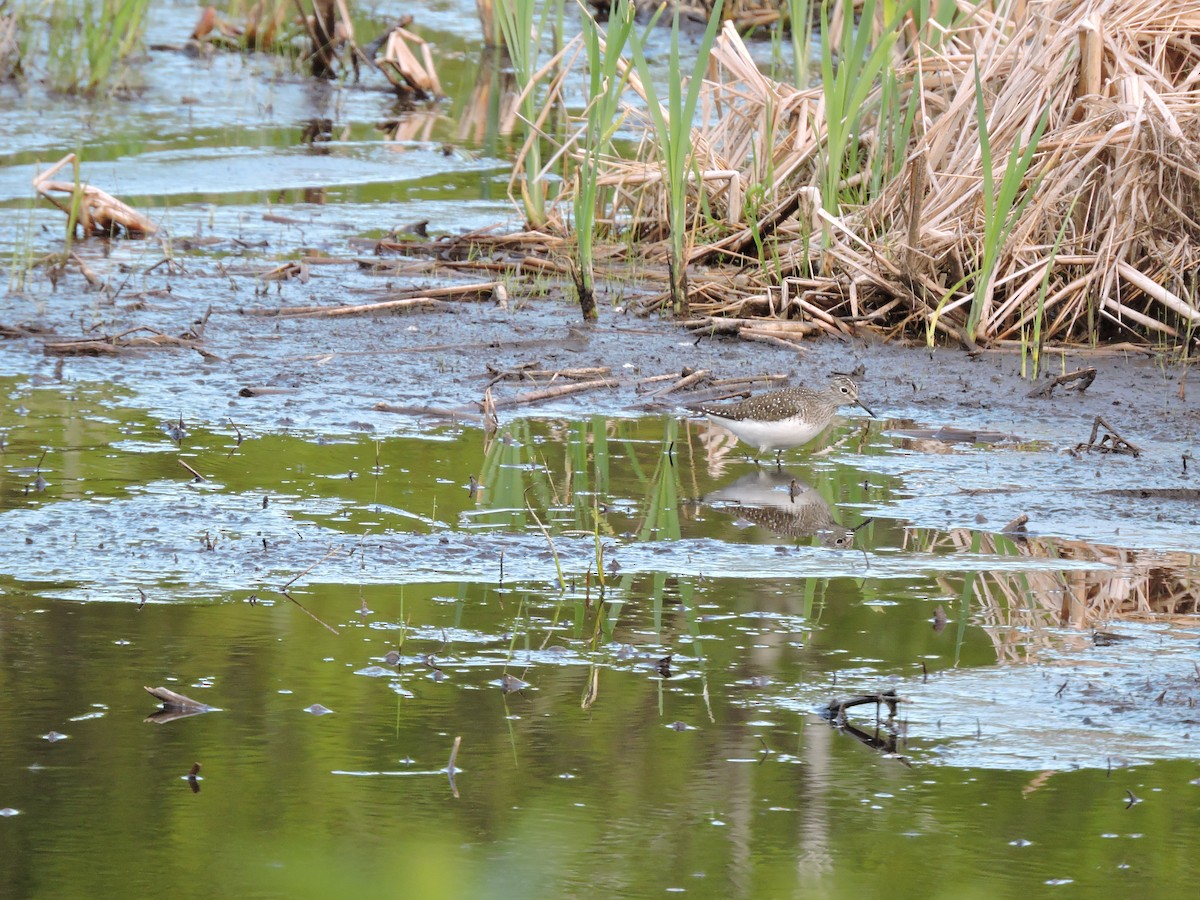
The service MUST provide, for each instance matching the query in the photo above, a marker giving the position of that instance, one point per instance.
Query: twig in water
(333, 551)
(197, 475)
(550, 393)
(308, 612)
(1109, 443)
(450, 770)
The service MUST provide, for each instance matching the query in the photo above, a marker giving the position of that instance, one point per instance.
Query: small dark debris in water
(176, 431)
(54, 736)
(664, 667)
(40, 484)
(836, 709)
(317, 130)
(883, 738)
(760, 681)
(939, 619)
(625, 651)
(318, 710)
(510, 684)
(680, 726)
(263, 391)
(193, 778)
(1133, 800)
(1189, 494)
(1161, 698)
(266, 499)
(392, 658)
(1107, 638)
(177, 702)
(1062, 687)
(436, 674)
(252, 599)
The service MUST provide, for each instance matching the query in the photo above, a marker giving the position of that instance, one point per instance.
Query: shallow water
(585, 758)
(655, 729)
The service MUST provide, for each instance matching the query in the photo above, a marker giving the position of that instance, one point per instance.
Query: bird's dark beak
(864, 406)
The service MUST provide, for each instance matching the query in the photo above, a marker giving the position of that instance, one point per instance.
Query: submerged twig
(1112, 442)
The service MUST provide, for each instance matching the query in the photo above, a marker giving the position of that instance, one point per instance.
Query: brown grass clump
(1024, 610)
(1107, 245)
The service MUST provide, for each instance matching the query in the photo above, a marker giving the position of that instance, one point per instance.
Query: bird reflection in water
(780, 502)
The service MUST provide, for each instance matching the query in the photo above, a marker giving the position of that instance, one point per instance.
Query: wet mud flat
(210, 345)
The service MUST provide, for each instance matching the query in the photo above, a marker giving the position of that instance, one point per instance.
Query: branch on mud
(437, 412)
(1112, 442)
(551, 393)
(1085, 377)
(123, 343)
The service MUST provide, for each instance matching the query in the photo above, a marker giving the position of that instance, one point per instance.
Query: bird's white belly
(771, 435)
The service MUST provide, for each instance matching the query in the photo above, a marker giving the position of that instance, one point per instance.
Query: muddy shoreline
(327, 376)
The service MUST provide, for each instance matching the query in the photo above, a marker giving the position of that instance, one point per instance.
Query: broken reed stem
(333, 551)
(454, 755)
(197, 475)
(683, 383)
(308, 612)
(553, 392)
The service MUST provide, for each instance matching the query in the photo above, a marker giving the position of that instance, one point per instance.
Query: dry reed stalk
(98, 213)
(402, 67)
(1115, 177)
(562, 390)
(1025, 611)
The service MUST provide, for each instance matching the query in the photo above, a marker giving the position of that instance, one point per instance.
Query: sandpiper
(787, 417)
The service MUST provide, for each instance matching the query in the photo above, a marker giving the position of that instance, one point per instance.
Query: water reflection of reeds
(1019, 609)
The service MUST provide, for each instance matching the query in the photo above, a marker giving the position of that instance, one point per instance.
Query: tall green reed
(673, 127)
(89, 42)
(848, 84)
(1003, 200)
(522, 40)
(1031, 349)
(606, 84)
(800, 25)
